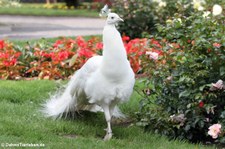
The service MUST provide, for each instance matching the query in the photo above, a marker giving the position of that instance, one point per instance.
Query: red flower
(17, 54)
(80, 41)
(4, 55)
(2, 44)
(201, 104)
(63, 55)
(13, 62)
(156, 43)
(47, 55)
(209, 50)
(125, 38)
(70, 43)
(6, 63)
(99, 45)
(85, 52)
(57, 43)
(217, 45)
(10, 63)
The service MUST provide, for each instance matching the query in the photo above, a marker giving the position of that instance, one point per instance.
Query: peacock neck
(114, 54)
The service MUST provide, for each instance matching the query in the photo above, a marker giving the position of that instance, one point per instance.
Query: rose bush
(186, 82)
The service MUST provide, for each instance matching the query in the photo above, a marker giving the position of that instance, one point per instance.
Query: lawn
(47, 41)
(21, 122)
(39, 10)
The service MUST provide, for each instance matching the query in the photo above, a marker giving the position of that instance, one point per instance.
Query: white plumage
(102, 83)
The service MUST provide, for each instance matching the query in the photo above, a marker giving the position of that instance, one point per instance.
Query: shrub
(140, 16)
(183, 81)
(9, 3)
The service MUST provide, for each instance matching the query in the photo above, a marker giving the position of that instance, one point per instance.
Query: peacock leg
(108, 116)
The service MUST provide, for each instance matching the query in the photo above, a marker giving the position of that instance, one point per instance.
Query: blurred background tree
(71, 3)
(49, 1)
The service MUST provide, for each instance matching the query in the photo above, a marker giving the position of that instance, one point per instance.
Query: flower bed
(60, 59)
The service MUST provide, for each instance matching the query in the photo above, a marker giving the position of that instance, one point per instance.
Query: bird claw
(108, 136)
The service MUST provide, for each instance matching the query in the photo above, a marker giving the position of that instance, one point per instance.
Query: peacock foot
(108, 136)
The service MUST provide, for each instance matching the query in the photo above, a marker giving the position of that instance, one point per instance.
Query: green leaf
(222, 71)
(187, 128)
(201, 124)
(184, 94)
(201, 88)
(73, 60)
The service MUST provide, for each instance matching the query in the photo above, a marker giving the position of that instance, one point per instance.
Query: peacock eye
(112, 17)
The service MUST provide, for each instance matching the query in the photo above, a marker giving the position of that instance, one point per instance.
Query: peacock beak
(120, 20)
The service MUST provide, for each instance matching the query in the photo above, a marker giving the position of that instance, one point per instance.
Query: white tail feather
(118, 114)
(60, 103)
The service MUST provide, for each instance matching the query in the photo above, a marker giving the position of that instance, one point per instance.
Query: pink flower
(153, 55)
(217, 45)
(217, 86)
(214, 130)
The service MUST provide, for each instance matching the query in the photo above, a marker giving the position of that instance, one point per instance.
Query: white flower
(153, 55)
(162, 4)
(200, 8)
(206, 14)
(169, 21)
(217, 10)
(197, 4)
(178, 20)
(199, 1)
(169, 78)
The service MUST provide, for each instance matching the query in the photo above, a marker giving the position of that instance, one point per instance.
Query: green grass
(22, 43)
(21, 122)
(39, 10)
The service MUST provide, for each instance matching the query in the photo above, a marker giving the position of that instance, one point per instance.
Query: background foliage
(141, 16)
(180, 81)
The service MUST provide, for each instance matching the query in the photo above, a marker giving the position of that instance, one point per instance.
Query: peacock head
(113, 18)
